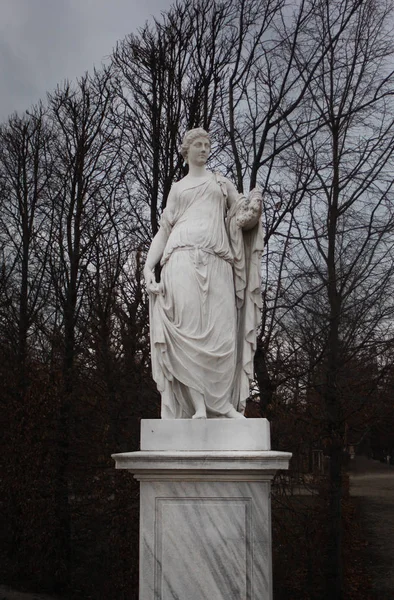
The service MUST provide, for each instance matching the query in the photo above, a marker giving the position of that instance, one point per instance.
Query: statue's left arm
(246, 239)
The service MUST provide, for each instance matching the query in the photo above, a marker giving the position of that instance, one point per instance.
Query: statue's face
(198, 152)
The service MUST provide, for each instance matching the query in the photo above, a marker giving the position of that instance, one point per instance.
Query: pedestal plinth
(205, 520)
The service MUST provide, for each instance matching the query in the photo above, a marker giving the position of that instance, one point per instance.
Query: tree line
(299, 100)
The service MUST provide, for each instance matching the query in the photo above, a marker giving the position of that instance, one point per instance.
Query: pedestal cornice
(224, 465)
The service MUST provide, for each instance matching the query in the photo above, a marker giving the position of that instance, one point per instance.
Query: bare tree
(25, 241)
(344, 231)
(25, 227)
(85, 174)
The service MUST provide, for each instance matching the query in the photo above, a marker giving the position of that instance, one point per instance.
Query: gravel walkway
(372, 483)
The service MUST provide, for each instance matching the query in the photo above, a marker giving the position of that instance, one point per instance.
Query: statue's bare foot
(234, 414)
(200, 414)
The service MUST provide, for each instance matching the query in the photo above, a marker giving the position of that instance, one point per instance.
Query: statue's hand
(150, 281)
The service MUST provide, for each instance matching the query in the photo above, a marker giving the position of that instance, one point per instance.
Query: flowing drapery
(203, 326)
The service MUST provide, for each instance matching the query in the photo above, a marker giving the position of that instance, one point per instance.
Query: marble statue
(205, 310)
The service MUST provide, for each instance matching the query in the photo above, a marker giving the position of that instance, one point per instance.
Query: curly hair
(189, 138)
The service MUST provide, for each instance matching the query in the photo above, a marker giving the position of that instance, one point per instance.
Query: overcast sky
(44, 42)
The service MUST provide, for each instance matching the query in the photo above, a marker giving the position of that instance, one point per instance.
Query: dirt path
(7, 593)
(372, 483)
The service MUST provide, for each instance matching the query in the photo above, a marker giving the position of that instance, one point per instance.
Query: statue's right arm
(156, 251)
(154, 255)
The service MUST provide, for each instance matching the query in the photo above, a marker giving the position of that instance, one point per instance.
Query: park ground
(372, 487)
(7, 593)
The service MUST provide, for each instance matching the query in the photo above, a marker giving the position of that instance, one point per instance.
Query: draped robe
(203, 325)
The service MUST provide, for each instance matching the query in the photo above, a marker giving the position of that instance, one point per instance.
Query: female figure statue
(205, 310)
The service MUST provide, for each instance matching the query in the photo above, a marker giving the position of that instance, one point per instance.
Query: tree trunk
(264, 382)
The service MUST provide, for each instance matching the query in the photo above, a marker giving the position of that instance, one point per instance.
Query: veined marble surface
(205, 541)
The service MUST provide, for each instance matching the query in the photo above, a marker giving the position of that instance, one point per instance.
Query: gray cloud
(44, 42)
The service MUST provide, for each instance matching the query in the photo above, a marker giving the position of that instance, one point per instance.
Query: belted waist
(197, 250)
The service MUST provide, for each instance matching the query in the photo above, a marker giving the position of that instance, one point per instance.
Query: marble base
(205, 434)
(205, 520)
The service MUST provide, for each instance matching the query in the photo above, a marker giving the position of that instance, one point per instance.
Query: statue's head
(190, 136)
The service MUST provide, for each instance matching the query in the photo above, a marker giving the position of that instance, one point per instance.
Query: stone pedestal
(205, 521)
